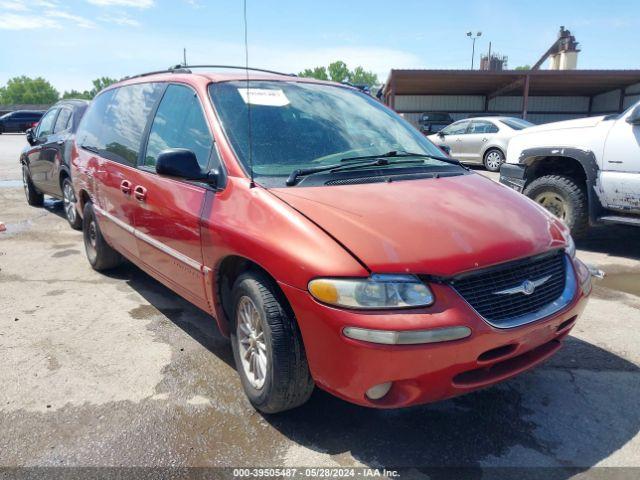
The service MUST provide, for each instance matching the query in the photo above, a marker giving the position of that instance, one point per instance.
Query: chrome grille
(479, 288)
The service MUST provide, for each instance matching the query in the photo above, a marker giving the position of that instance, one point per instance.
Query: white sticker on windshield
(263, 96)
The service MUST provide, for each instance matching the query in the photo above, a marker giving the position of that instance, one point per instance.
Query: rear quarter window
(115, 125)
(92, 124)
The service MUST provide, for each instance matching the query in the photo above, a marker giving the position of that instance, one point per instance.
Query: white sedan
(481, 140)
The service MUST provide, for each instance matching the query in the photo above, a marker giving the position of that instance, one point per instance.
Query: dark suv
(19, 121)
(45, 162)
(433, 122)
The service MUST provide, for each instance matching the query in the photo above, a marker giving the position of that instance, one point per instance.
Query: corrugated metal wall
(541, 109)
(445, 103)
(606, 102)
(633, 89)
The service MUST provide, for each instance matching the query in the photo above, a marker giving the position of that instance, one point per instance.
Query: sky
(72, 42)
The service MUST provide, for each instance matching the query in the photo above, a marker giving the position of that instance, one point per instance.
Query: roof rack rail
(187, 69)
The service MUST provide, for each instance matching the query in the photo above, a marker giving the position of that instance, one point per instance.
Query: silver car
(481, 140)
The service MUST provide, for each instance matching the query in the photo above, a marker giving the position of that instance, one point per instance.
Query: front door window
(179, 123)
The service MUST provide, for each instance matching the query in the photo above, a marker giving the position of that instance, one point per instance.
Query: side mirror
(182, 163)
(30, 136)
(634, 117)
(441, 134)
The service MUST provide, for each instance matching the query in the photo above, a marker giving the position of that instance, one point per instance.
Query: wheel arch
(83, 199)
(64, 173)
(572, 162)
(227, 272)
(24, 159)
(488, 148)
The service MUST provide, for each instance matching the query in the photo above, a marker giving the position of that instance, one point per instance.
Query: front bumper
(422, 373)
(513, 175)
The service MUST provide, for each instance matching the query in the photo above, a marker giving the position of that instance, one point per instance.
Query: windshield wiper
(400, 154)
(91, 149)
(352, 165)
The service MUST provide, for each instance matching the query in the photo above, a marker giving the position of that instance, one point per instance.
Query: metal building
(539, 96)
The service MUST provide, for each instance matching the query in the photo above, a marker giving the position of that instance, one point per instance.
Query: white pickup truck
(585, 171)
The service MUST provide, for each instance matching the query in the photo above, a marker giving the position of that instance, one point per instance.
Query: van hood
(430, 226)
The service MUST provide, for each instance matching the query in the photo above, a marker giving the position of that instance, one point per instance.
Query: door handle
(125, 186)
(485, 139)
(140, 193)
(458, 139)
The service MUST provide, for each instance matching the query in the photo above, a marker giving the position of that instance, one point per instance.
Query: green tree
(523, 67)
(319, 72)
(25, 90)
(100, 84)
(338, 71)
(76, 94)
(359, 76)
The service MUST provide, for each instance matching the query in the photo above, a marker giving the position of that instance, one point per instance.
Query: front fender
(252, 223)
(586, 158)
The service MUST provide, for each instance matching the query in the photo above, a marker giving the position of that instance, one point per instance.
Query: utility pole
(473, 48)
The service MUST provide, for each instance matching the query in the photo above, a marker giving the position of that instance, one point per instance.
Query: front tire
(70, 205)
(493, 159)
(34, 198)
(99, 253)
(563, 197)
(267, 346)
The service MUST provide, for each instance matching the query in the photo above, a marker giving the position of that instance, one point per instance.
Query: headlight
(571, 247)
(377, 291)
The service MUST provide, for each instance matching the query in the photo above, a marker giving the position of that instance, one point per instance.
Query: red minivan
(331, 241)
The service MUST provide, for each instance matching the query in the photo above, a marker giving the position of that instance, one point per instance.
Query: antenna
(184, 56)
(246, 63)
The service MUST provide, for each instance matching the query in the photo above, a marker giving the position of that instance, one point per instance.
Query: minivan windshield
(296, 125)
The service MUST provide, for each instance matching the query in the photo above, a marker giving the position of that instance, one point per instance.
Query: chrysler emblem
(526, 288)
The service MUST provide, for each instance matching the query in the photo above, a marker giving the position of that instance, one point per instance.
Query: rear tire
(70, 205)
(565, 198)
(267, 346)
(99, 253)
(34, 198)
(493, 158)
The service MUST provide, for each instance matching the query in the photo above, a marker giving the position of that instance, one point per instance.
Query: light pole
(473, 48)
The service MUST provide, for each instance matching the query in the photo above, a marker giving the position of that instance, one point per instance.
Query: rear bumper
(513, 175)
(425, 373)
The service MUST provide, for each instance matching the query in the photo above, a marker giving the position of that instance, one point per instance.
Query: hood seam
(346, 249)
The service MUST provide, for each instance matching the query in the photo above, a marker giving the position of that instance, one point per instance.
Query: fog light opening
(566, 324)
(378, 391)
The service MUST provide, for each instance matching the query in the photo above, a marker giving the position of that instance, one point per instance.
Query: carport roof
(508, 82)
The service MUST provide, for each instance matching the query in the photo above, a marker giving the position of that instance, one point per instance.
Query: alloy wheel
(25, 182)
(251, 342)
(69, 202)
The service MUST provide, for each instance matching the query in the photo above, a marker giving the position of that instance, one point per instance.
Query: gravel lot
(118, 371)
